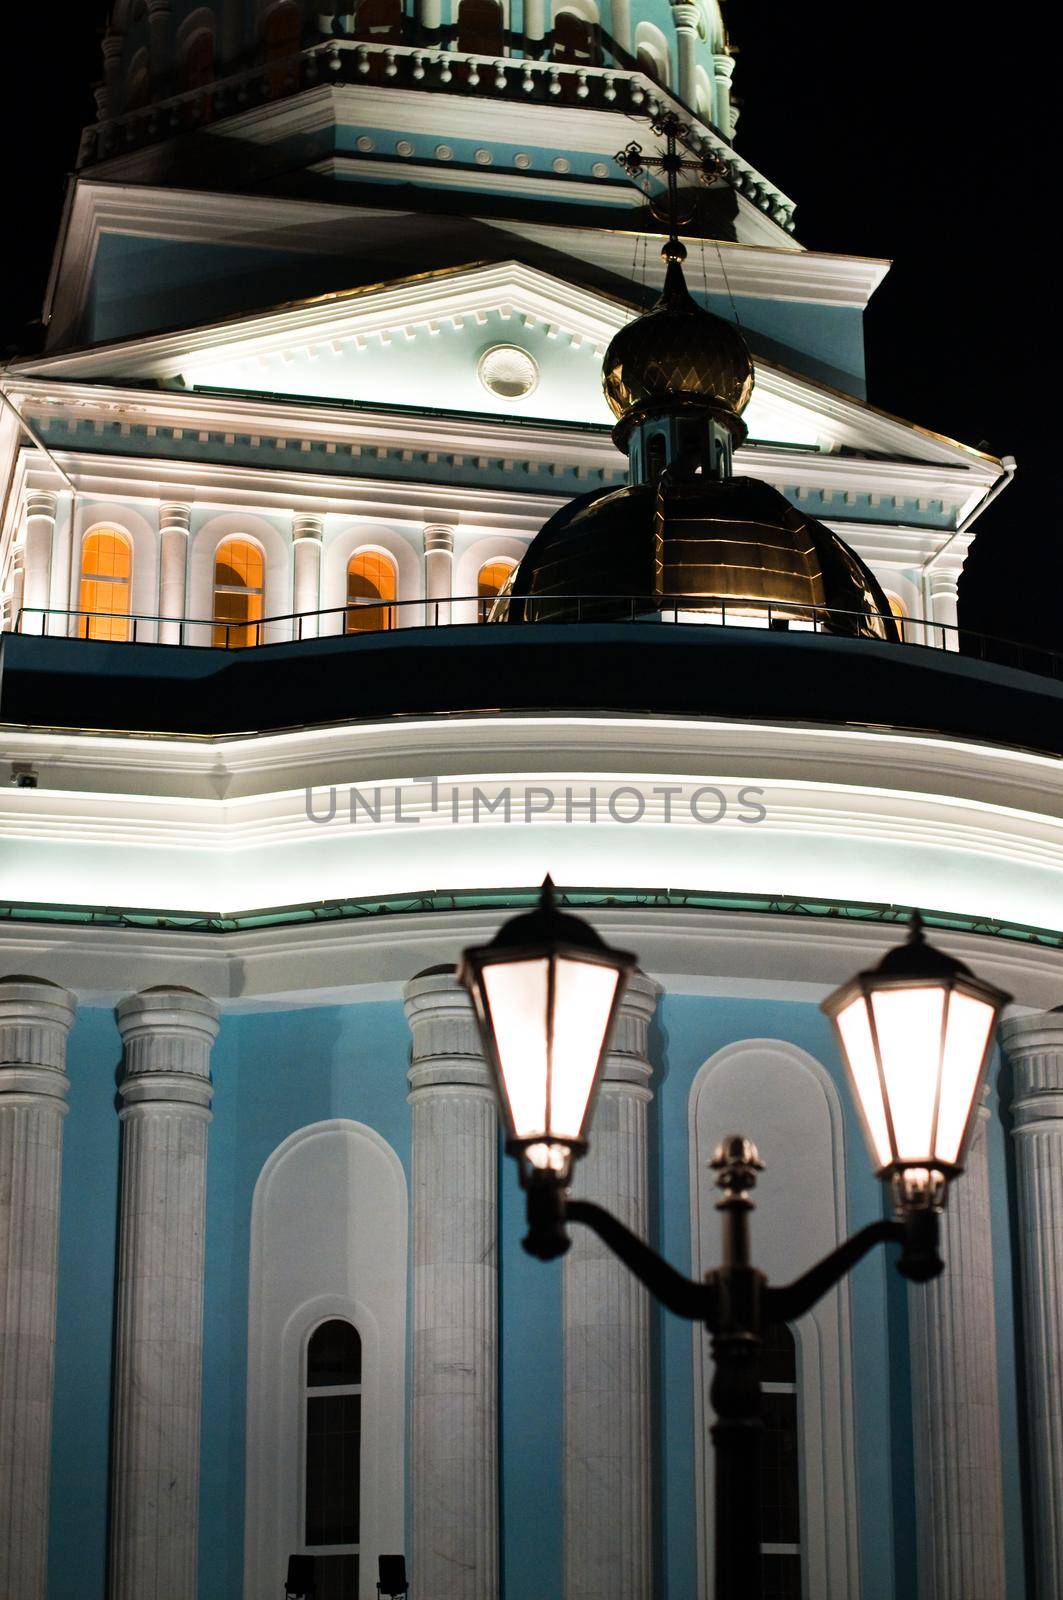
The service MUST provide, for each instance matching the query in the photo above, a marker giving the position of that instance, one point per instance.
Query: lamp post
(915, 1033)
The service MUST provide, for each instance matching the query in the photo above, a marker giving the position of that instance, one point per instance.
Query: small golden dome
(677, 351)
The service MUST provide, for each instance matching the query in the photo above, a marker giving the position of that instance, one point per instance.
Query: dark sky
(904, 132)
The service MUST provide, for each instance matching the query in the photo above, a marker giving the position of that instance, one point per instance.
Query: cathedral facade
(388, 522)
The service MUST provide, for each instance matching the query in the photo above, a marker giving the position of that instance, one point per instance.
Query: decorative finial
(737, 1163)
(707, 165)
(547, 896)
(916, 928)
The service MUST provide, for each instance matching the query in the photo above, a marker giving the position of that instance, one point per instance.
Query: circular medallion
(561, 164)
(522, 160)
(444, 152)
(364, 142)
(404, 147)
(508, 371)
(482, 158)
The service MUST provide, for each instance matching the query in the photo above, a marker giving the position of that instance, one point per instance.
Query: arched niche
(277, 599)
(782, 1098)
(492, 547)
(328, 1240)
(144, 588)
(345, 542)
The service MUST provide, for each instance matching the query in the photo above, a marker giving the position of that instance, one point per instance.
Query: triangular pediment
(421, 343)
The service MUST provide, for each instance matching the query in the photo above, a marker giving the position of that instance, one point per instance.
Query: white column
(944, 607)
(165, 1091)
(438, 574)
(608, 1532)
(1035, 1046)
(620, 12)
(959, 1488)
(18, 584)
(723, 71)
(39, 517)
(159, 15)
(307, 532)
(534, 26)
(174, 522)
(686, 19)
(430, 15)
(35, 1018)
(454, 1482)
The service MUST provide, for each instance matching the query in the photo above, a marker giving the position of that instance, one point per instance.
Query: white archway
(277, 598)
(143, 593)
(492, 547)
(328, 1239)
(346, 542)
(788, 1098)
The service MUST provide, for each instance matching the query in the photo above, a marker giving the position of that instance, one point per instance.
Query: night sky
(885, 125)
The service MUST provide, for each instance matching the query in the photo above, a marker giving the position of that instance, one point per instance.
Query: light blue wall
(276, 1072)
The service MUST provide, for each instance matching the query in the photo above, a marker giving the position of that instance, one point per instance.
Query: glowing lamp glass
(545, 993)
(916, 1034)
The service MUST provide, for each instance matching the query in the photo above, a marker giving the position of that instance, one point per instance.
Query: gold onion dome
(685, 538)
(677, 352)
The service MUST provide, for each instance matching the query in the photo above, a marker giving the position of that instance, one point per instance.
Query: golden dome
(677, 351)
(724, 549)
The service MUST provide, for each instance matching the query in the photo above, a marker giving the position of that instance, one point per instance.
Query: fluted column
(308, 531)
(454, 1487)
(167, 1034)
(686, 18)
(174, 522)
(620, 12)
(723, 72)
(534, 27)
(40, 534)
(608, 1534)
(959, 1488)
(1035, 1045)
(35, 1018)
(438, 573)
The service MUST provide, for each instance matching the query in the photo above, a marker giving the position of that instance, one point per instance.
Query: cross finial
(634, 161)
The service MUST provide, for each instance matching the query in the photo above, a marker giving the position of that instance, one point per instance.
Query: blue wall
(276, 1072)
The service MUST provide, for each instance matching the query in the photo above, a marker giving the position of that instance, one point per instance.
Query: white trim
(340, 1185)
(769, 1087)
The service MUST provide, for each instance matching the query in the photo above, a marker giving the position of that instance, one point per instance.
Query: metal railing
(370, 617)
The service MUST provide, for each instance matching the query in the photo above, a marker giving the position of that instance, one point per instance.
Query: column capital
(446, 1042)
(1034, 1045)
(175, 516)
(627, 1061)
(35, 1019)
(167, 1033)
(438, 537)
(686, 17)
(159, 8)
(308, 525)
(41, 503)
(723, 66)
(111, 46)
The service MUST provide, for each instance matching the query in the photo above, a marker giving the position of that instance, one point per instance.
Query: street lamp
(915, 1032)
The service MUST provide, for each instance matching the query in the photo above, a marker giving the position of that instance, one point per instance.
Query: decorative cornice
(167, 1033)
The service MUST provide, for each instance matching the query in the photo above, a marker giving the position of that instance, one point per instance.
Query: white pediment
(420, 343)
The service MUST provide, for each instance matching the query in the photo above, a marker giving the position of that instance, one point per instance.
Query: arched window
(480, 25)
(197, 63)
(138, 83)
(106, 571)
(239, 586)
(651, 48)
(281, 37)
(492, 576)
(575, 39)
(333, 1457)
(380, 20)
(371, 580)
(900, 612)
(779, 1480)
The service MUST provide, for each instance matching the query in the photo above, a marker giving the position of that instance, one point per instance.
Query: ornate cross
(634, 161)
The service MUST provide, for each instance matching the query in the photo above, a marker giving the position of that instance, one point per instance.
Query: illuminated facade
(326, 328)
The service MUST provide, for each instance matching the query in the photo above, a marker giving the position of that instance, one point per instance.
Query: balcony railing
(369, 616)
(437, 64)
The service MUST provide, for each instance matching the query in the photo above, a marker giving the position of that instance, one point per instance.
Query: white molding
(769, 1087)
(765, 268)
(577, 188)
(341, 1185)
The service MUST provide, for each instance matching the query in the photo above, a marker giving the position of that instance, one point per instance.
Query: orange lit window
(239, 583)
(900, 611)
(106, 568)
(370, 581)
(492, 576)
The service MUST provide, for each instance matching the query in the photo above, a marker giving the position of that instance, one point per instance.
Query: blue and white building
(325, 337)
